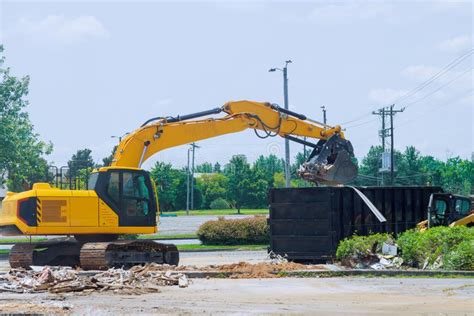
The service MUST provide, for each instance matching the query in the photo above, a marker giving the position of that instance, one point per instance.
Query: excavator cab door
(129, 193)
(438, 210)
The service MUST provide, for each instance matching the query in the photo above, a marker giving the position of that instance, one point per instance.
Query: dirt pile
(137, 280)
(244, 270)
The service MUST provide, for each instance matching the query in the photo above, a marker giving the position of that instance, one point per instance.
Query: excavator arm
(330, 161)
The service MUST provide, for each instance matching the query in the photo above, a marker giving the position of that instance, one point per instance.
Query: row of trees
(243, 184)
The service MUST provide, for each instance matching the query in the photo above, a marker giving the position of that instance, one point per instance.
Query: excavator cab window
(136, 196)
(130, 194)
(462, 207)
(438, 214)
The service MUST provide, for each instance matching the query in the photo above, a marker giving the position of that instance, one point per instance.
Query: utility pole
(324, 114)
(188, 174)
(194, 146)
(383, 133)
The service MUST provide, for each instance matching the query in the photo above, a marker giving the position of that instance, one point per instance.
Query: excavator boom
(330, 161)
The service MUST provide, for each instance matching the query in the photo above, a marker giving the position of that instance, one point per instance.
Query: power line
(421, 86)
(361, 124)
(439, 88)
(461, 95)
(440, 73)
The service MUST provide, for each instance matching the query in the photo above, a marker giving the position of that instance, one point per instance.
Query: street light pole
(287, 142)
(324, 115)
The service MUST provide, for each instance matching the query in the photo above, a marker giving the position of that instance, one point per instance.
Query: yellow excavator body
(121, 199)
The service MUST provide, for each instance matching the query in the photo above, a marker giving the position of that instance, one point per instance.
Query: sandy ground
(322, 296)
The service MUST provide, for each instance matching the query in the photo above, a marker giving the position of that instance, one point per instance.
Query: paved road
(188, 224)
(320, 296)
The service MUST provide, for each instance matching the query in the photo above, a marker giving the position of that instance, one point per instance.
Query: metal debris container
(306, 224)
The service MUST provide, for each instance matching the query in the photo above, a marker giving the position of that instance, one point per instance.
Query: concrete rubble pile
(137, 280)
(387, 259)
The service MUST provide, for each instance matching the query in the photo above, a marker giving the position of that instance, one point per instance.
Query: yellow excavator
(121, 199)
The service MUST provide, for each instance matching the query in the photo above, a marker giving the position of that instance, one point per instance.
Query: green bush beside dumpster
(244, 231)
(447, 248)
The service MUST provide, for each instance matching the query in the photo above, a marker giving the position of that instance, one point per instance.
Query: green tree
(217, 168)
(409, 168)
(212, 186)
(22, 154)
(171, 186)
(205, 167)
(279, 180)
(267, 166)
(168, 181)
(458, 175)
(108, 160)
(80, 167)
(239, 185)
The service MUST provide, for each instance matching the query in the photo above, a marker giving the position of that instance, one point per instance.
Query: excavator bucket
(330, 162)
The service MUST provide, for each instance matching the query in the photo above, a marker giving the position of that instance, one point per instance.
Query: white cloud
(346, 12)
(385, 96)
(62, 29)
(420, 72)
(456, 44)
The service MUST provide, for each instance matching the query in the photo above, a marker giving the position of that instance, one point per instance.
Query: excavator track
(102, 255)
(61, 253)
(21, 255)
(92, 255)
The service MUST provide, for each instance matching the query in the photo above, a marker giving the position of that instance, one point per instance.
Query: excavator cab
(129, 192)
(444, 209)
(331, 162)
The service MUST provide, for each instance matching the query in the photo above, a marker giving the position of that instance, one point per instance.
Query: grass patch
(201, 247)
(225, 247)
(176, 236)
(21, 240)
(221, 212)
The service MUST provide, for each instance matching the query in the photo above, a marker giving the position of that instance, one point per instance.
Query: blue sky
(101, 68)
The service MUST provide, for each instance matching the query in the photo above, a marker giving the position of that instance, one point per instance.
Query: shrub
(252, 230)
(361, 246)
(461, 257)
(453, 244)
(219, 204)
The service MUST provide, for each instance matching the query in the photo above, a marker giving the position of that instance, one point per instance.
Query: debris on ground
(137, 280)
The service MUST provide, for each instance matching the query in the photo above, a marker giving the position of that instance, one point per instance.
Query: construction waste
(137, 280)
(387, 259)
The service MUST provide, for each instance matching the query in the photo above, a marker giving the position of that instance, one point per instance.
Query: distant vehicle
(447, 209)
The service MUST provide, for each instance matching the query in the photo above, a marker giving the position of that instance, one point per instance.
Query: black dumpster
(306, 224)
